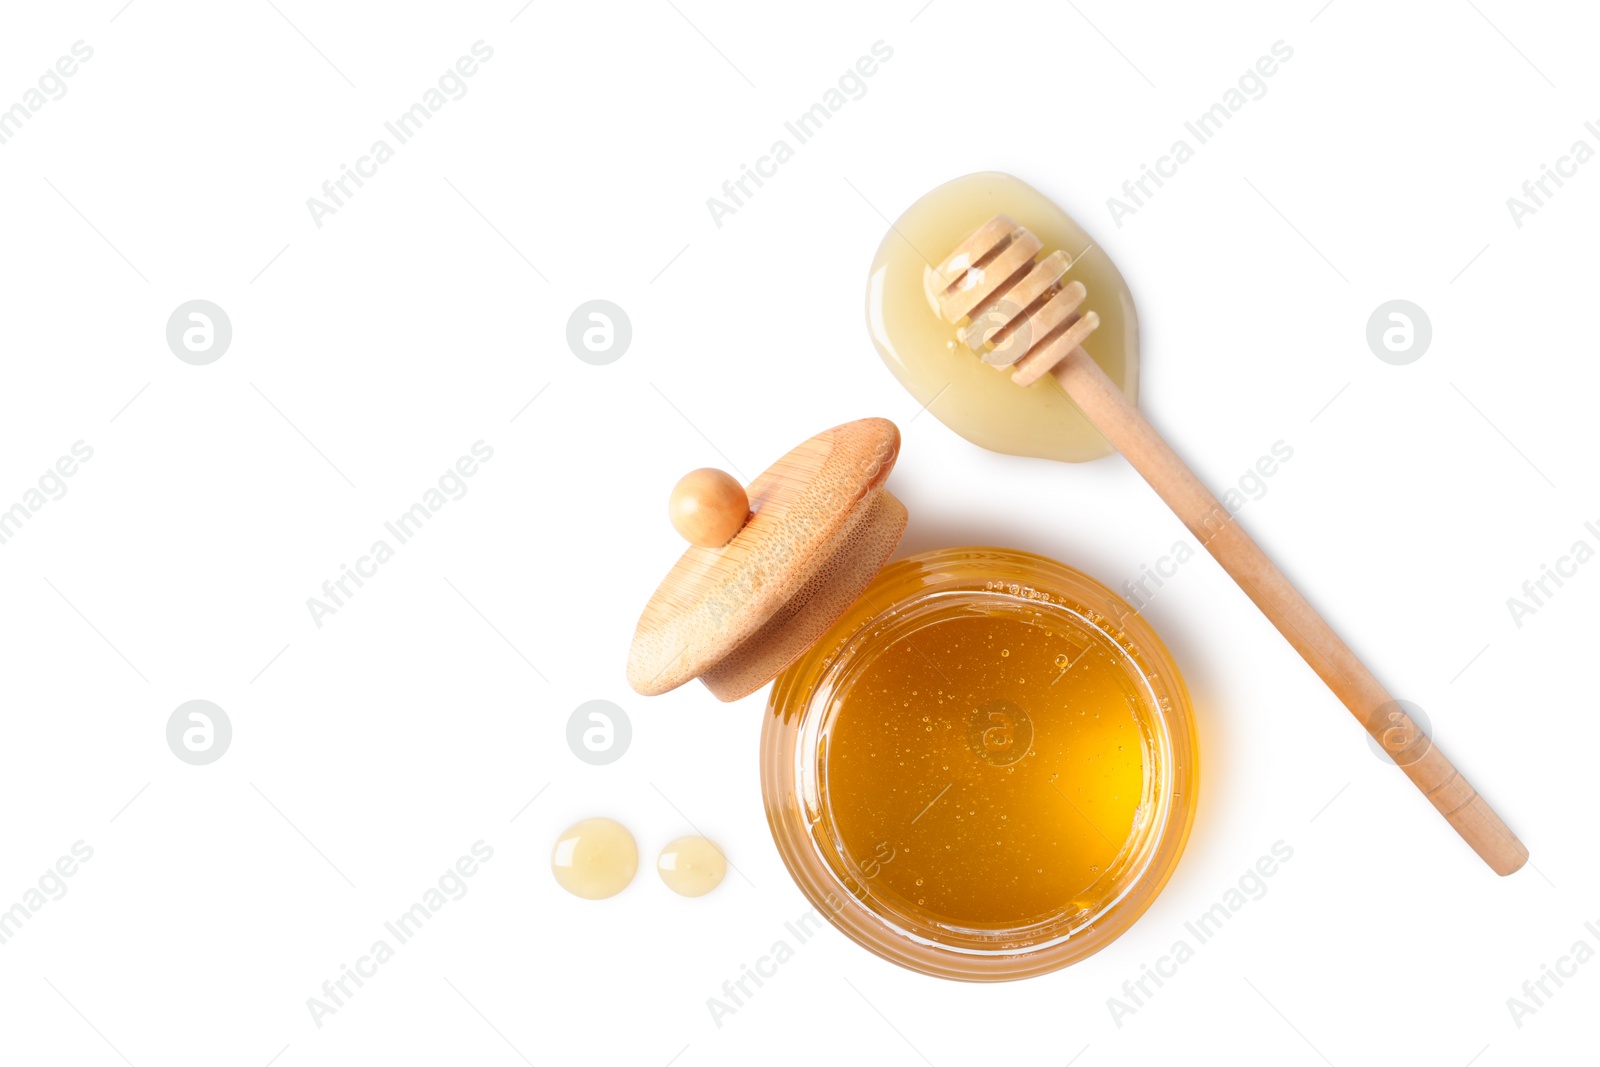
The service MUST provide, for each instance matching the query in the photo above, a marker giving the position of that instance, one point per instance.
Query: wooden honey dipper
(1020, 314)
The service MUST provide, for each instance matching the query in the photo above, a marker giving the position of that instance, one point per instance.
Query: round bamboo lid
(769, 571)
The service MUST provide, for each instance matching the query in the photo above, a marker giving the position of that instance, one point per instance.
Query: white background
(370, 353)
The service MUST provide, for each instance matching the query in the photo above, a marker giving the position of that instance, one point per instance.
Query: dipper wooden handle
(1399, 735)
(1022, 314)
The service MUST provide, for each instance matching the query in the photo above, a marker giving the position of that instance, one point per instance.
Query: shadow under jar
(985, 769)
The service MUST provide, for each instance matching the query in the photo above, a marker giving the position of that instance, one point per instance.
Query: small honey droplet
(595, 858)
(691, 866)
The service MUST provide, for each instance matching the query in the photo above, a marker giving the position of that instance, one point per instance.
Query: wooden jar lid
(820, 526)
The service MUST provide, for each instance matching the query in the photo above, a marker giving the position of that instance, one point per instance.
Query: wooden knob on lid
(768, 571)
(708, 507)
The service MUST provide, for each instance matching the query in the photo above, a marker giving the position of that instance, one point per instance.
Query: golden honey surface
(985, 766)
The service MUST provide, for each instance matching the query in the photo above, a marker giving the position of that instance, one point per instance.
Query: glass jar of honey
(985, 769)
(977, 763)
